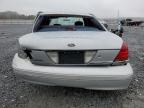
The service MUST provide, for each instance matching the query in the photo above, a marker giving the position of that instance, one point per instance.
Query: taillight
(123, 54)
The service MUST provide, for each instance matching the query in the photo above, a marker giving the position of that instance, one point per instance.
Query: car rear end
(85, 59)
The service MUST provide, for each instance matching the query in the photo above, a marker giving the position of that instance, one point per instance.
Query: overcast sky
(101, 8)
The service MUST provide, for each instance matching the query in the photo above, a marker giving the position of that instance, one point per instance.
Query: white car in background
(75, 50)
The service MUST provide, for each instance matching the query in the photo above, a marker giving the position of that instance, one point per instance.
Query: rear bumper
(99, 78)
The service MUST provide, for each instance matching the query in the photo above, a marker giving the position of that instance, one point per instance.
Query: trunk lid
(83, 40)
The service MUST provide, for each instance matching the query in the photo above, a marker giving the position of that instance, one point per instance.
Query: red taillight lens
(123, 54)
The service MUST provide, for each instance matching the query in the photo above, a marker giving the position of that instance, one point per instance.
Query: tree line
(15, 15)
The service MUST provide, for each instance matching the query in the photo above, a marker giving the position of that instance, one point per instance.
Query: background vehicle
(130, 22)
(118, 31)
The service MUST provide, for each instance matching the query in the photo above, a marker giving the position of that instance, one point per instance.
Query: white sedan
(75, 50)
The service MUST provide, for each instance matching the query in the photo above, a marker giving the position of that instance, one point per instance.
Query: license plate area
(71, 57)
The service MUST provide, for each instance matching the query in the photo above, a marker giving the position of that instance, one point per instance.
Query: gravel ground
(18, 94)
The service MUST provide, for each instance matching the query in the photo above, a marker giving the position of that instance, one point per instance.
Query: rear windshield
(67, 23)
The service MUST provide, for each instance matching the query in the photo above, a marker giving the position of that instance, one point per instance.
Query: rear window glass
(67, 23)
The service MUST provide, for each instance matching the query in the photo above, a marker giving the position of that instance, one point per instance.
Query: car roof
(66, 13)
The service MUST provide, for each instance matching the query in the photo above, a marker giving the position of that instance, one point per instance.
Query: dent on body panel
(40, 58)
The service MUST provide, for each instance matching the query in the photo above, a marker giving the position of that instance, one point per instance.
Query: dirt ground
(15, 93)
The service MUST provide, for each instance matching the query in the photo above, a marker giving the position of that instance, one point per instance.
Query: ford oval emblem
(71, 45)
